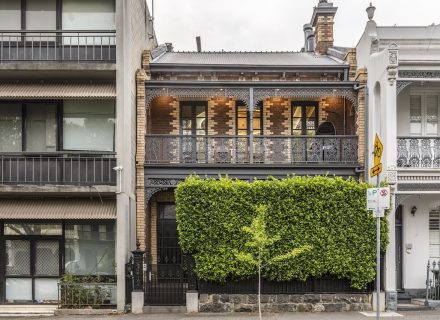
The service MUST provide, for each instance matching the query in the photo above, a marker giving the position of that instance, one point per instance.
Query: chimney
(309, 38)
(322, 21)
(169, 46)
(199, 44)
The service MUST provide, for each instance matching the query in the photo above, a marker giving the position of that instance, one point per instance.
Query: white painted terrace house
(403, 90)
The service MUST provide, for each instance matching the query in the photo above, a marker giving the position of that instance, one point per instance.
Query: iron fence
(182, 149)
(58, 45)
(432, 282)
(418, 152)
(86, 295)
(57, 168)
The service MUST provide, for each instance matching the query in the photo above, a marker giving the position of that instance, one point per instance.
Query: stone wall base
(285, 302)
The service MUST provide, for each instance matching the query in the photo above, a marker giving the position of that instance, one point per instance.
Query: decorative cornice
(197, 93)
(262, 93)
(419, 74)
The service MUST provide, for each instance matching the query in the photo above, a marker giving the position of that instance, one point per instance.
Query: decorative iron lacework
(401, 85)
(155, 185)
(194, 93)
(401, 198)
(428, 74)
(261, 94)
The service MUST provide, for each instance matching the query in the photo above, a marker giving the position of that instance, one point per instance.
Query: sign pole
(378, 260)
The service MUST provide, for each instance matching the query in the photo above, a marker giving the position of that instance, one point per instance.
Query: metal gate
(166, 277)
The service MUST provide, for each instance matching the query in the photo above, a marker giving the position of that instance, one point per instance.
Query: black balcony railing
(58, 46)
(182, 149)
(57, 169)
(418, 152)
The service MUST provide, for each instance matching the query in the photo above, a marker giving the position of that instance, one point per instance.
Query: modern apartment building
(403, 86)
(67, 141)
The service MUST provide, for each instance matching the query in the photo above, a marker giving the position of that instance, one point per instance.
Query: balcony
(60, 168)
(58, 46)
(418, 152)
(246, 150)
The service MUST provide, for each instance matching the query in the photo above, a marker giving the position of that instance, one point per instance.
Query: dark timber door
(399, 248)
(166, 283)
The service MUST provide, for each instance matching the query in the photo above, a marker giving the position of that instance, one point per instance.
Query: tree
(258, 247)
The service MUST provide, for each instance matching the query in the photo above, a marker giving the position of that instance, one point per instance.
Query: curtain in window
(89, 125)
(10, 128)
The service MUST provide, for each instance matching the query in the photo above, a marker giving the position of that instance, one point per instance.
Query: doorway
(399, 248)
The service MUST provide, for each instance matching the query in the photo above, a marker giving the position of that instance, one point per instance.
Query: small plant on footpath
(256, 251)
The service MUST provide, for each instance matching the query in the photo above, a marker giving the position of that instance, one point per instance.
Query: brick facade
(324, 33)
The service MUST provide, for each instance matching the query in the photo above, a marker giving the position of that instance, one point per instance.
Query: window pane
(47, 257)
(167, 211)
(10, 128)
(88, 15)
(18, 259)
(41, 128)
(10, 15)
(18, 289)
(186, 112)
(431, 115)
(416, 115)
(41, 15)
(89, 125)
(200, 111)
(90, 249)
(22, 229)
(297, 112)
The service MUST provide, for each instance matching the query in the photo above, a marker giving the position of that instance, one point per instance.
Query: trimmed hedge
(329, 214)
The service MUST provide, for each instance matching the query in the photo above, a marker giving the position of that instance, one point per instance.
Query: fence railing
(432, 282)
(86, 295)
(418, 152)
(181, 149)
(57, 168)
(58, 45)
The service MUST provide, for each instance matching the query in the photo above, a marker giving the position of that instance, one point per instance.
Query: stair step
(411, 307)
(30, 310)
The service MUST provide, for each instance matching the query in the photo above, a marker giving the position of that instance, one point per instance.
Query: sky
(274, 25)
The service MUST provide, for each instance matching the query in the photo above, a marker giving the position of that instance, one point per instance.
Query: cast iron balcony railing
(58, 46)
(418, 152)
(185, 149)
(78, 169)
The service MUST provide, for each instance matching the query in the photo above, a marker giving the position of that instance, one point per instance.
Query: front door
(399, 252)
(33, 265)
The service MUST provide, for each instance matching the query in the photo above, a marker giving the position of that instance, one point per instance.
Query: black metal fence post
(138, 268)
(192, 279)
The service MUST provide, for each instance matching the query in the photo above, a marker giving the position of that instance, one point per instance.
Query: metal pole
(378, 260)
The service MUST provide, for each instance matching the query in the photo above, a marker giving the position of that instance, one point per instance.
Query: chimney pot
(199, 44)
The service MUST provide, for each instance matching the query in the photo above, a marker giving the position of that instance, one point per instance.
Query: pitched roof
(245, 59)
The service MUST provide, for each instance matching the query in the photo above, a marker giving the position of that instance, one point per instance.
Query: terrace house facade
(67, 142)
(248, 115)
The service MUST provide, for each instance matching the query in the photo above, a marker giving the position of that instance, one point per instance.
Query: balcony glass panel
(89, 125)
(41, 15)
(41, 127)
(88, 15)
(10, 15)
(10, 127)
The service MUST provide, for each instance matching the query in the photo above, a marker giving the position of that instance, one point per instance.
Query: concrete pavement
(412, 315)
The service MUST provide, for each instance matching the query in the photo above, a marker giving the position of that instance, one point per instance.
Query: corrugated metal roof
(57, 90)
(86, 209)
(245, 58)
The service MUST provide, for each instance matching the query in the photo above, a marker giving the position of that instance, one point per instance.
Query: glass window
(89, 125)
(304, 118)
(90, 249)
(10, 15)
(41, 127)
(88, 15)
(258, 120)
(25, 229)
(297, 120)
(431, 115)
(41, 15)
(434, 234)
(415, 115)
(193, 119)
(310, 120)
(10, 127)
(242, 120)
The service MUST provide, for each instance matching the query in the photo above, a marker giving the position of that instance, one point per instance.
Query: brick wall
(277, 116)
(221, 117)
(324, 34)
(361, 76)
(164, 116)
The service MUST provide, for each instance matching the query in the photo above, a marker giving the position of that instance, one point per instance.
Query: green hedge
(326, 213)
